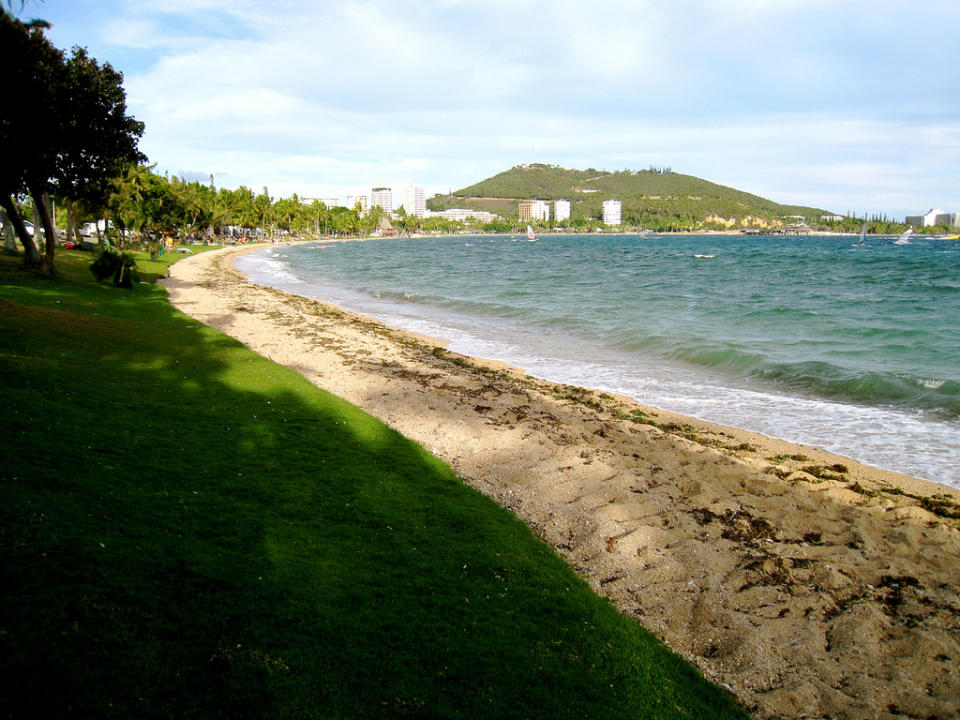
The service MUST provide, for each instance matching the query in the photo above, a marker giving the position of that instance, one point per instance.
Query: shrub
(112, 262)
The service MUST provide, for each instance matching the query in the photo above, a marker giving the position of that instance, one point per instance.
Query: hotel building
(561, 210)
(464, 215)
(534, 210)
(328, 201)
(933, 217)
(414, 201)
(612, 211)
(382, 197)
(362, 200)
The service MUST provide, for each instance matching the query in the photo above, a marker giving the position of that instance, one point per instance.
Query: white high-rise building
(612, 212)
(382, 197)
(414, 201)
(362, 200)
(561, 210)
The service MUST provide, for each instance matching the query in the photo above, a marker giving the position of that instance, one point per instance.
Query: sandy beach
(807, 584)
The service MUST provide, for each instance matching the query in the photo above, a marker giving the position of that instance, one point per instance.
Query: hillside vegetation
(657, 198)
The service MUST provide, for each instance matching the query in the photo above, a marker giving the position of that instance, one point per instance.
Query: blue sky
(848, 105)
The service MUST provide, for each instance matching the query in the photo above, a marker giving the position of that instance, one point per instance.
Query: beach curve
(804, 582)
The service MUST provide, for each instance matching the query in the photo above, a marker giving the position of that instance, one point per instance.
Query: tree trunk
(72, 222)
(41, 200)
(9, 234)
(31, 256)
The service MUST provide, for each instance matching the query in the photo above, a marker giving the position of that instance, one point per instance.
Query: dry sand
(807, 584)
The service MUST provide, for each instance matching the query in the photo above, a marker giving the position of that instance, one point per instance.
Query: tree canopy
(63, 127)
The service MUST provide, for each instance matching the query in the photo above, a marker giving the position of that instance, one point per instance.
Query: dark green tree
(30, 65)
(100, 141)
(65, 131)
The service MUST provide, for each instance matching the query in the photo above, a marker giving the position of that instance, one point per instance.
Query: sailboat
(904, 239)
(863, 234)
(530, 236)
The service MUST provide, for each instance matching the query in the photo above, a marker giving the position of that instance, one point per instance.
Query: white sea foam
(268, 270)
(893, 438)
(890, 438)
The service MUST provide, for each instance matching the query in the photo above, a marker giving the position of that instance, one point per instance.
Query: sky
(845, 105)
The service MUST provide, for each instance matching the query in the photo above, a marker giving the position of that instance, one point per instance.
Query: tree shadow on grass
(193, 531)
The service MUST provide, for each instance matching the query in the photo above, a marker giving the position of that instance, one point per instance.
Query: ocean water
(855, 349)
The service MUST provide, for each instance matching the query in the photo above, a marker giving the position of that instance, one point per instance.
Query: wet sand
(807, 584)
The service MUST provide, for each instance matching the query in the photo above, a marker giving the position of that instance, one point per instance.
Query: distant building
(362, 200)
(933, 217)
(561, 210)
(382, 197)
(612, 212)
(831, 218)
(464, 215)
(328, 201)
(414, 202)
(534, 210)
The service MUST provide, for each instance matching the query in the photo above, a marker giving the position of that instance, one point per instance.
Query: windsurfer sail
(904, 239)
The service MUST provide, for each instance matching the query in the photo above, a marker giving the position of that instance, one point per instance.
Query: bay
(816, 339)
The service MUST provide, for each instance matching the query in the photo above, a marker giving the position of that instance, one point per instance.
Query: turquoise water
(813, 339)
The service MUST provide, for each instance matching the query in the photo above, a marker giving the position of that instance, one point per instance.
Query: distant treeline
(143, 206)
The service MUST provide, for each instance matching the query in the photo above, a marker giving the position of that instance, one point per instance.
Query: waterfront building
(414, 201)
(934, 217)
(561, 210)
(464, 215)
(328, 201)
(382, 197)
(534, 210)
(612, 212)
(362, 200)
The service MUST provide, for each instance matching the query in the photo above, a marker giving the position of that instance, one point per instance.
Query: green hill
(657, 198)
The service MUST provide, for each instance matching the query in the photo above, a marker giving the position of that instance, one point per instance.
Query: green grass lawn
(191, 531)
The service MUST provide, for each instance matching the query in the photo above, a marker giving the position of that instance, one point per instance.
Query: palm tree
(242, 203)
(264, 207)
(127, 199)
(318, 211)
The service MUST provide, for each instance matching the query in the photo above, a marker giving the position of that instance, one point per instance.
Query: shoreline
(855, 399)
(802, 581)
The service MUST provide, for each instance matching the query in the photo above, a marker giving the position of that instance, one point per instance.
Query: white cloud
(788, 99)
